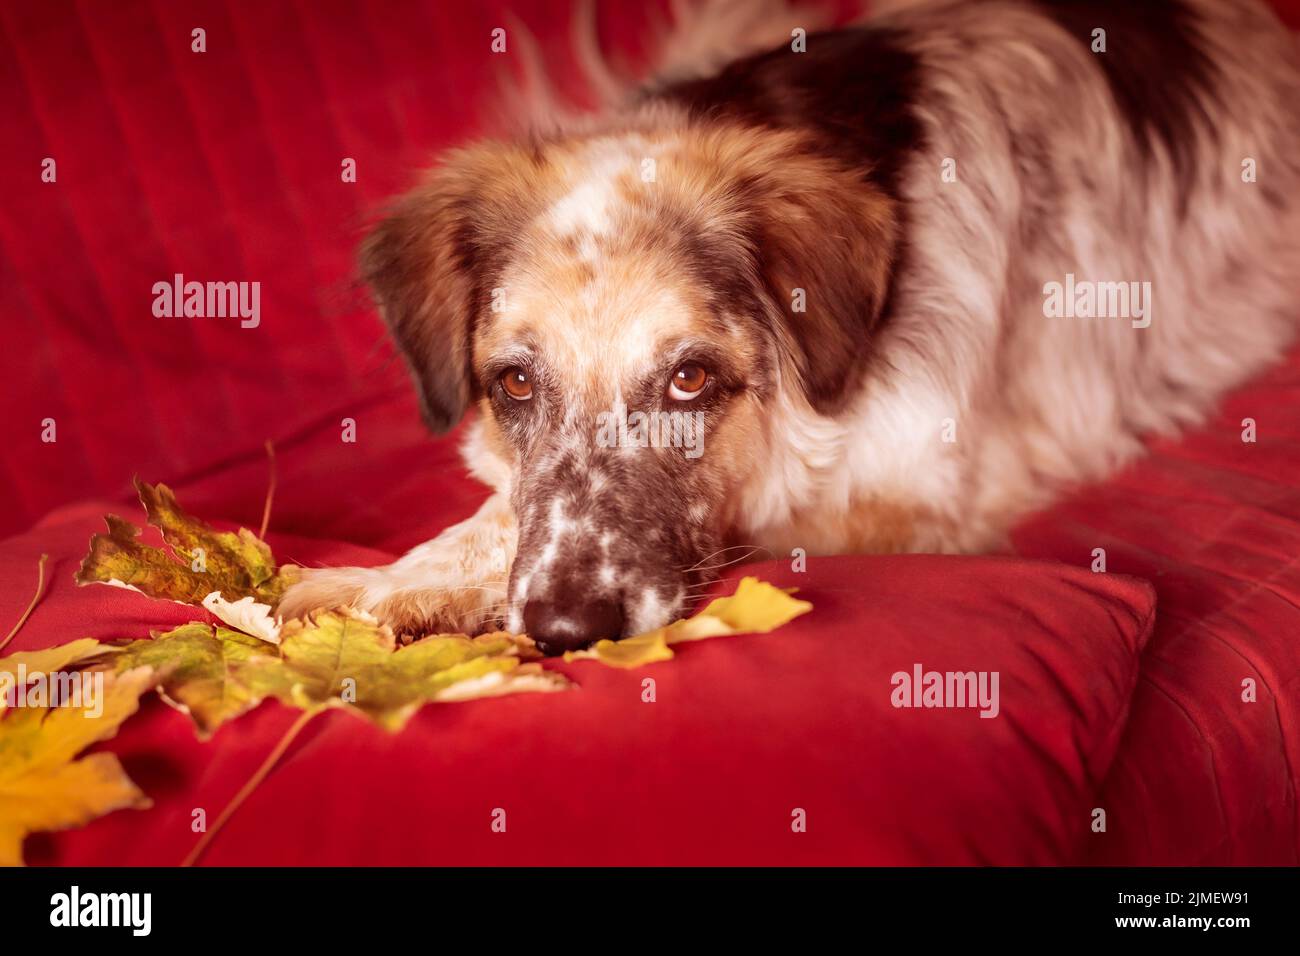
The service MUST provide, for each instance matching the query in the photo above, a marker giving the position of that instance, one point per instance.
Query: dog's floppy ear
(431, 261)
(825, 240)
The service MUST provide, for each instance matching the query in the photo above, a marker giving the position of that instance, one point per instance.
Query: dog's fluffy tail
(701, 38)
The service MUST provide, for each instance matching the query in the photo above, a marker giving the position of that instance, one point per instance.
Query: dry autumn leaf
(43, 786)
(232, 574)
(347, 659)
(756, 608)
(195, 665)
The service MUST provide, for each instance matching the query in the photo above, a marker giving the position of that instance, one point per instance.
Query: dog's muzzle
(572, 625)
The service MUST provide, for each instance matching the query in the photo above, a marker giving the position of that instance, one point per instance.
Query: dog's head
(626, 311)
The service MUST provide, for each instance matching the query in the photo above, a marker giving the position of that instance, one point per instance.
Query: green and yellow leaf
(232, 574)
(347, 659)
(195, 665)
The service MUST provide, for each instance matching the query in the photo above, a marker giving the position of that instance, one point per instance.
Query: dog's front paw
(322, 589)
(411, 610)
(415, 611)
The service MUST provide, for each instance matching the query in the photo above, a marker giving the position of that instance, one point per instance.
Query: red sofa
(1120, 691)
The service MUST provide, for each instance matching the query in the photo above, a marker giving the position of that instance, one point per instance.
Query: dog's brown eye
(517, 384)
(687, 382)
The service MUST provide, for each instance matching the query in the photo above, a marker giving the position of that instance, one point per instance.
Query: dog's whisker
(753, 550)
(704, 582)
(697, 590)
(720, 551)
(726, 564)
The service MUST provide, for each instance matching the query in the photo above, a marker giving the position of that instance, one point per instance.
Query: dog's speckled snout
(605, 547)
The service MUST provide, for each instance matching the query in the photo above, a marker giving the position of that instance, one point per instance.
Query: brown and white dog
(910, 278)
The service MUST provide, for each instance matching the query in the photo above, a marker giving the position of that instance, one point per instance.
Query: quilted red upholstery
(225, 165)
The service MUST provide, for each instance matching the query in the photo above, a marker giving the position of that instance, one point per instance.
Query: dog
(910, 279)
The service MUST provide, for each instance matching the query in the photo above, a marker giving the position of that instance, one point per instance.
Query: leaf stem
(40, 587)
(270, 491)
(247, 789)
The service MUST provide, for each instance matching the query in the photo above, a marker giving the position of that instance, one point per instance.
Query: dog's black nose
(569, 626)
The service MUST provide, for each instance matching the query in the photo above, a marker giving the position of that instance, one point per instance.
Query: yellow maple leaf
(756, 608)
(47, 661)
(43, 786)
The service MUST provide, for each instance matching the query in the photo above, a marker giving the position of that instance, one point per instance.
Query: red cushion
(743, 732)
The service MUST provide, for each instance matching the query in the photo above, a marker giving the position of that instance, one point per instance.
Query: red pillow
(747, 737)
